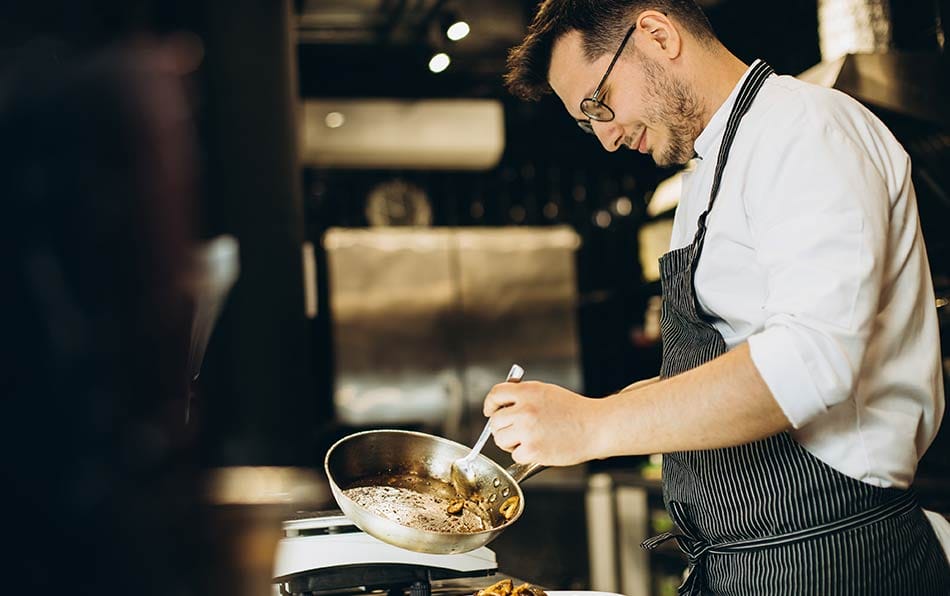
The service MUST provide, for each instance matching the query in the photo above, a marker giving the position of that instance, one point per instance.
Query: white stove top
(328, 550)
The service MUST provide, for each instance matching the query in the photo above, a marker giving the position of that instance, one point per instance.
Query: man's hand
(722, 403)
(542, 423)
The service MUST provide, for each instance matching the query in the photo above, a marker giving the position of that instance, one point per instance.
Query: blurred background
(239, 231)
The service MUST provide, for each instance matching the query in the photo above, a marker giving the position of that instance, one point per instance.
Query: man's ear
(663, 36)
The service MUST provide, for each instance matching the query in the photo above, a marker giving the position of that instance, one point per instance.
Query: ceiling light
(439, 62)
(623, 206)
(334, 120)
(457, 30)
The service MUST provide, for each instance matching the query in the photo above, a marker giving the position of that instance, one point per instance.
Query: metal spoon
(463, 473)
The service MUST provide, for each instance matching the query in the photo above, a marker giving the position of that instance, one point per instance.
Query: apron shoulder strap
(747, 93)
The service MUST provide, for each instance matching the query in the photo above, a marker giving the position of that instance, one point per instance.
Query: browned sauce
(420, 510)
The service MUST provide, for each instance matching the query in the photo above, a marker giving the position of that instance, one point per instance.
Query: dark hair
(602, 23)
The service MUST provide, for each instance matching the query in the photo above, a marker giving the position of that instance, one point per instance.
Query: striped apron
(768, 517)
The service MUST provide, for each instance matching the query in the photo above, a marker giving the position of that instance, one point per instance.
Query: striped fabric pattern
(768, 517)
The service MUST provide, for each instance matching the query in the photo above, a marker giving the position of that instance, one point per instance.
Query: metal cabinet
(426, 320)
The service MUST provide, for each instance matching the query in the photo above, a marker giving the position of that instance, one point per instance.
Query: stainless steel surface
(909, 83)
(375, 457)
(403, 134)
(463, 469)
(618, 520)
(425, 321)
(867, 52)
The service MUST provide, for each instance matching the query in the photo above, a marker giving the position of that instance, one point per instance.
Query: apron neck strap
(748, 91)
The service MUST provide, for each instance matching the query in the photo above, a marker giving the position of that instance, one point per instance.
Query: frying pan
(422, 461)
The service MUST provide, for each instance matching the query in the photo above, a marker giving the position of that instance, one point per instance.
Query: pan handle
(520, 472)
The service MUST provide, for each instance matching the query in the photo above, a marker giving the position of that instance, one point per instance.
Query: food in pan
(422, 503)
(425, 503)
(509, 507)
(506, 587)
(455, 506)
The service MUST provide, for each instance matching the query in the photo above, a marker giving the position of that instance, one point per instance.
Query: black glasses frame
(592, 107)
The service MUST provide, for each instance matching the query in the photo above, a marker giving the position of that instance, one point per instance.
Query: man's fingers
(499, 397)
(501, 419)
(520, 455)
(506, 438)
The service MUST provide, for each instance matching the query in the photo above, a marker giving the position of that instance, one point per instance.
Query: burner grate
(413, 580)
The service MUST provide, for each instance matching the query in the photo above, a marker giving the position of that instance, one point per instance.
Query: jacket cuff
(774, 354)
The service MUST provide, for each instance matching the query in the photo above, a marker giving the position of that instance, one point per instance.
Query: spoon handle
(482, 439)
(515, 374)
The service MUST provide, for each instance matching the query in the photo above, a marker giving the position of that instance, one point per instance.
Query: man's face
(653, 112)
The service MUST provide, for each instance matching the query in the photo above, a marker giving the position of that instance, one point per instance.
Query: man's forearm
(722, 403)
(639, 384)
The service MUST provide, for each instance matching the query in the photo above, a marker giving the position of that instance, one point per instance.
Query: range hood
(886, 54)
(889, 55)
(910, 92)
(913, 84)
(367, 133)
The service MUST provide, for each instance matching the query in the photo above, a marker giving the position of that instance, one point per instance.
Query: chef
(801, 377)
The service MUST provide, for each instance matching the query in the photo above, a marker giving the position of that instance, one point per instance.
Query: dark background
(265, 393)
(545, 157)
(266, 372)
(267, 378)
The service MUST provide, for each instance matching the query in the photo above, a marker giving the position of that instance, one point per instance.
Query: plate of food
(507, 587)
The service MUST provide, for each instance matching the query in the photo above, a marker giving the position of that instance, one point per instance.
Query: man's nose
(610, 134)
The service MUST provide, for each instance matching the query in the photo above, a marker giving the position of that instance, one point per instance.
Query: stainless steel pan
(422, 462)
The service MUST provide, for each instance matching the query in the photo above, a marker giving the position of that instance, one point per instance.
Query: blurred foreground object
(213, 270)
(96, 171)
(248, 505)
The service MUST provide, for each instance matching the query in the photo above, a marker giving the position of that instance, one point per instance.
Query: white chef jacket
(814, 256)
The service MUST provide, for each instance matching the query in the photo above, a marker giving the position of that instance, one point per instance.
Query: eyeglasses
(591, 106)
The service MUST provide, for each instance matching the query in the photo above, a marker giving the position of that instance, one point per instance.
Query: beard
(673, 104)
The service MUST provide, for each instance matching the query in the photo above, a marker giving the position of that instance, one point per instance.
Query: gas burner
(324, 553)
(390, 579)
